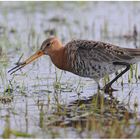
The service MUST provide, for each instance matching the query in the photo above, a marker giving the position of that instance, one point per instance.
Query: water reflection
(39, 98)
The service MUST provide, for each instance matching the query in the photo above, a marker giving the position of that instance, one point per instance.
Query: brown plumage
(93, 59)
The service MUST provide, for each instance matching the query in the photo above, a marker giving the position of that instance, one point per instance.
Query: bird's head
(48, 47)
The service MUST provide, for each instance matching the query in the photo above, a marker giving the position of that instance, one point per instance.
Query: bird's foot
(108, 89)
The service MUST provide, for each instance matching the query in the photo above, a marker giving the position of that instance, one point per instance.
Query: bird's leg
(99, 87)
(107, 88)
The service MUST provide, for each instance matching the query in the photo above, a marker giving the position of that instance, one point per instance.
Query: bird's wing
(99, 51)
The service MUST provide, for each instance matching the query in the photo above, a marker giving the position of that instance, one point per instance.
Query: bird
(86, 58)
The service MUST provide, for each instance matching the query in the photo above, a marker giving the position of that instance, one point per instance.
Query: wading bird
(93, 59)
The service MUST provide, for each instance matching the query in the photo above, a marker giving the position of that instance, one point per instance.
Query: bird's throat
(59, 59)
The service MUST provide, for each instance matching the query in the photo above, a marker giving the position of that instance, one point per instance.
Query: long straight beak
(26, 62)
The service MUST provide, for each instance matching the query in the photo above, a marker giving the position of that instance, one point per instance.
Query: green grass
(43, 104)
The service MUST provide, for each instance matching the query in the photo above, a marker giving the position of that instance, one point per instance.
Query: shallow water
(40, 89)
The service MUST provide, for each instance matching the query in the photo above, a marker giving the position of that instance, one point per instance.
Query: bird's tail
(135, 53)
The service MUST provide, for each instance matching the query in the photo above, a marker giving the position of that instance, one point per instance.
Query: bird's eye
(48, 45)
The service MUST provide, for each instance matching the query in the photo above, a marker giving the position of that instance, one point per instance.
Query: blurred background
(32, 100)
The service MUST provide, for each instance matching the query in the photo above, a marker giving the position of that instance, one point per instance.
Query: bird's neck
(60, 59)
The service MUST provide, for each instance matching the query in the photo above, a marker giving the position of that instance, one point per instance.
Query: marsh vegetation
(41, 101)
